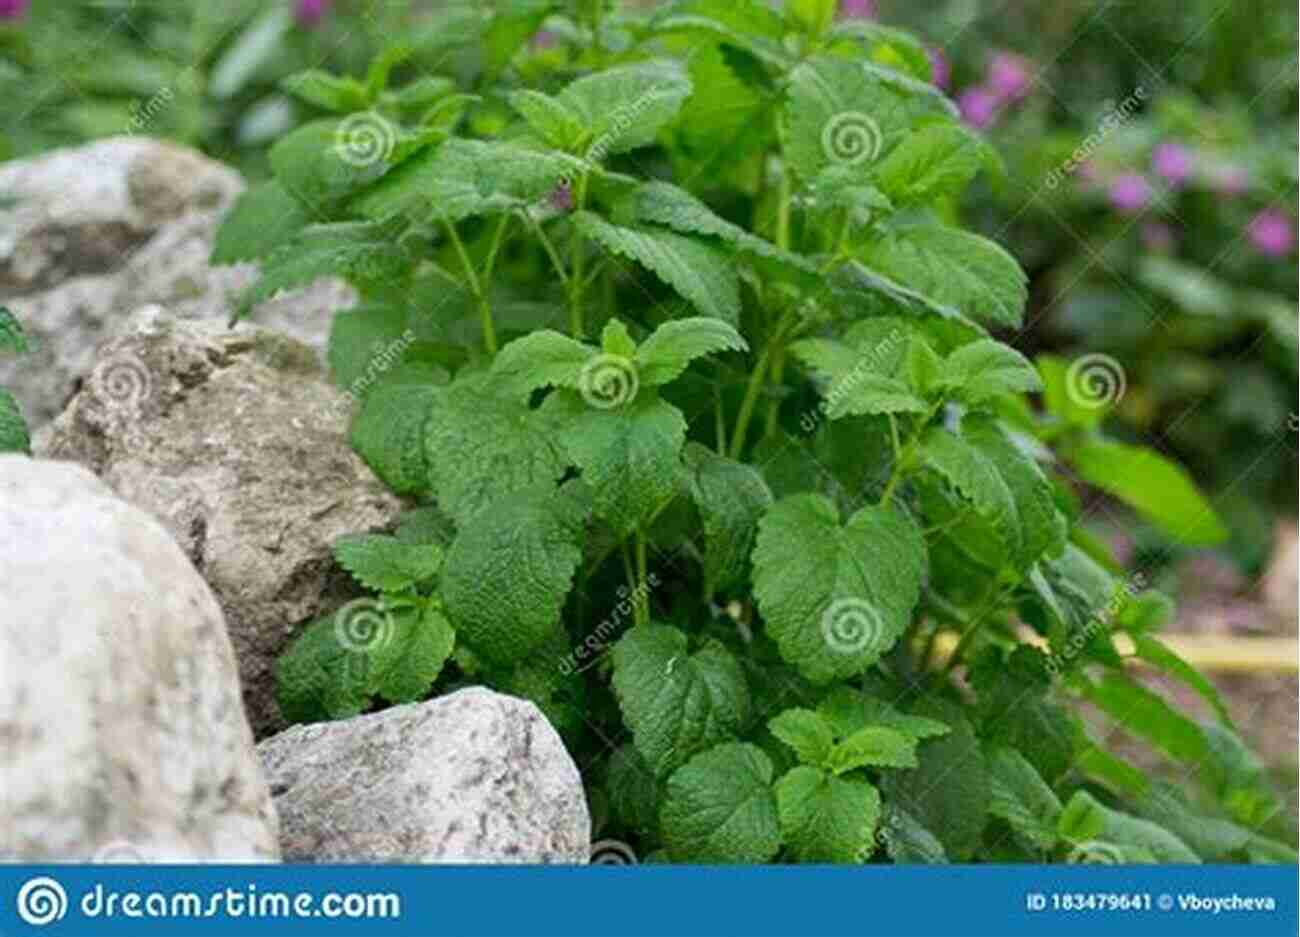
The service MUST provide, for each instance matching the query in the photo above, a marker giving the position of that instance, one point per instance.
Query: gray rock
(236, 442)
(120, 720)
(474, 776)
(95, 232)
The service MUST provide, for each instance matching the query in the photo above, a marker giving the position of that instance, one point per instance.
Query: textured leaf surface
(674, 345)
(388, 433)
(1139, 711)
(14, 435)
(509, 571)
(1134, 836)
(13, 339)
(624, 107)
(677, 703)
(263, 218)
(542, 359)
(1021, 797)
(731, 498)
(719, 807)
(986, 368)
(549, 117)
(976, 478)
(836, 597)
(807, 732)
(933, 162)
(907, 841)
(403, 668)
(634, 791)
(860, 381)
(826, 818)
(385, 563)
(318, 678)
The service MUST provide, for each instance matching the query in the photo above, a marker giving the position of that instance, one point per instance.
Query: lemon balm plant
(715, 455)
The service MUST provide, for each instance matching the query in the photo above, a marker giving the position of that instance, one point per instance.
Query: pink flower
(978, 106)
(858, 9)
(1158, 237)
(309, 13)
(1172, 162)
(1009, 77)
(940, 70)
(13, 9)
(561, 198)
(1272, 233)
(545, 40)
(1229, 179)
(1130, 193)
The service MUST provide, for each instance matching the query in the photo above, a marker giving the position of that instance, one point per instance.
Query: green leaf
(826, 818)
(948, 793)
(1097, 830)
(1156, 488)
(674, 345)
(1211, 838)
(13, 339)
(895, 48)
(388, 433)
(907, 841)
(555, 123)
(510, 26)
(935, 161)
(634, 791)
(1019, 795)
(256, 46)
(323, 162)
(976, 478)
(463, 178)
(805, 731)
(14, 435)
(262, 219)
(814, 16)
(1061, 391)
(482, 444)
(861, 380)
(1156, 652)
(317, 678)
(544, 679)
(509, 571)
(1140, 712)
(629, 455)
(954, 268)
(751, 25)
(985, 369)
(541, 359)
(336, 93)
(851, 710)
(698, 271)
(675, 702)
(366, 342)
(835, 598)
(875, 746)
(731, 498)
(385, 563)
(403, 668)
(624, 107)
(719, 807)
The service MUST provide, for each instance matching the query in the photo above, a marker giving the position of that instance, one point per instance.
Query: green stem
(643, 585)
(577, 281)
(903, 462)
(755, 385)
(549, 248)
(475, 286)
(719, 415)
(992, 598)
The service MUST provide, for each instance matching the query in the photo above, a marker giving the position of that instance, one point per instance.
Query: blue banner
(649, 901)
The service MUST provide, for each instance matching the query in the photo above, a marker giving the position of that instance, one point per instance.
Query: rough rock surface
(474, 776)
(120, 721)
(237, 443)
(90, 234)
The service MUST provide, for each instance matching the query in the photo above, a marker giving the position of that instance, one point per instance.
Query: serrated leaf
(861, 381)
(482, 444)
(1020, 796)
(403, 668)
(895, 48)
(629, 455)
(807, 732)
(747, 24)
(935, 161)
(542, 359)
(324, 162)
(634, 791)
(907, 841)
(317, 678)
(14, 435)
(851, 710)
(976, 478)
(1140, 712)
(731, 497)
(814, 16)
(1156, 488)
(510, 26)
(336, 93)
(674, 345)
(826, 818)
(549, 117)
(953, 268)
(719, 807)
(13, 339)
(835, 598)
(508, 573)
(1092, 825)
(385, 563)
(1157, 653)
(624, 107)
(388, 433)
(558, 692)
(875, 746)
(675, 702)
(698, 271)
(985, 369)
(262, 219)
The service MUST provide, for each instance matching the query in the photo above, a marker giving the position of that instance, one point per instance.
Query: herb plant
(14, 435)
(691, 363)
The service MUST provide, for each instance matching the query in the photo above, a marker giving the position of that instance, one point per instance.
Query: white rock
(120, 717)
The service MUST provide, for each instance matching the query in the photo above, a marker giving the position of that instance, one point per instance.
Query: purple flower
(309, 13)
(1272, 233)
(13, 9)
(1009, 77)
(545, 40)
(978, 106)
(940, 70)
(561, 197)
(1172, 162)
(1229, 179)
(1158, 237)
(858, 9)
(1130, 193)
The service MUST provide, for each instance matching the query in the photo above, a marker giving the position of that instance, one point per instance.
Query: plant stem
(990, 603)
(778, 355)
(577, 259)
(475, 285)
(755, 385)
(549, 248)
(903, 463)
(643, 585)
(719, 416)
